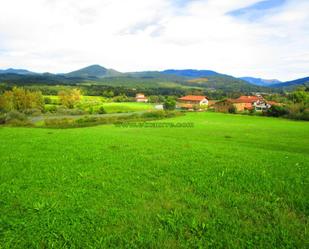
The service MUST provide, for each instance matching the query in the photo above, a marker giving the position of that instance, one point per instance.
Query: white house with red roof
(243, 103)
(140, 97)
(192, 101)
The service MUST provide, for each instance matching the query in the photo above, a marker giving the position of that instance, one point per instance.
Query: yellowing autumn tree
(69, 98)
(20, 99)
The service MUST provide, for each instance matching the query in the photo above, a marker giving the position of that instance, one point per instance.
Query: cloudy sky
(267, 39)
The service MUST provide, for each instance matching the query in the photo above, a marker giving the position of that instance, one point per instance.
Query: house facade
(191, 102)
(261, 105)
(227, 105)
(140, 97)
(248, 102)
(243, 103)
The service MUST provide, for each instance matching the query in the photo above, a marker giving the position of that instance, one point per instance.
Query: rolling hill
(226, 83)
(191, 73)
(292, 84)
(16, 71)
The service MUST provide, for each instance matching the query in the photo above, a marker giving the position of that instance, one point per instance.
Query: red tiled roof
(272, 103)
(193, 98)
(246, 99)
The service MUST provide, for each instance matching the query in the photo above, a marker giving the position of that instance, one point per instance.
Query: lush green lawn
(230, 182)
(126, 107)
(96, 102)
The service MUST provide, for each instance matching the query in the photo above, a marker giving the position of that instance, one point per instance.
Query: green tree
(299, 96)
(153, 99)
(277, 111)
(169, 104)
(108, 94)
(121, 98)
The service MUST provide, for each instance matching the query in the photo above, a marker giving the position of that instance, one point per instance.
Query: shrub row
(92, 121)
(291, 112)
(15, 118)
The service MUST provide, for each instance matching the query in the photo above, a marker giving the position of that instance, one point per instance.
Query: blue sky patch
(181, 3)
(256, 10)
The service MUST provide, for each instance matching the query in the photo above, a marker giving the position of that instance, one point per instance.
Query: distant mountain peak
(94, 71)
(95, 66)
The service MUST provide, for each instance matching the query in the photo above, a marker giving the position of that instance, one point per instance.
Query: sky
(268, 39)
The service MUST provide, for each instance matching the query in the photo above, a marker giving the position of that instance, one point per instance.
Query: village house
(140, 97)
(191, 102)
(243, 103)
(224, 105)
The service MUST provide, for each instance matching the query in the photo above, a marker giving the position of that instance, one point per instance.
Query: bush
(154, 114)
(2, 119)
(47, 100)
(90, 110)
(121, 98)
(64, 111)
(15, 118)
(169, 104)
(299, 116)
(86, 119)
(252, 111)
(101, 110)
(50, 108)
(171, 114)
(232, 109)
(33, 112)
(15, 115)
(161, 114)
(277, 111)
(58, 122)
(19, 123)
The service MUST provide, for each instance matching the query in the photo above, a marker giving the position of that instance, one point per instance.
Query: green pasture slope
(96, 102)
(230, 182)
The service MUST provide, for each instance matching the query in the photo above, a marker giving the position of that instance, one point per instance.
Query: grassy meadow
(232, 181)
(95, 103)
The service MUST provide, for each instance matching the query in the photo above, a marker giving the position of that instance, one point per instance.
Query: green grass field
(126, 107)
(96, 102)
(232, 181)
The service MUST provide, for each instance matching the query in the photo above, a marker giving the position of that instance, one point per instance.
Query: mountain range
(260, 82)
(207, 78)
(16, 71)
(291, 84)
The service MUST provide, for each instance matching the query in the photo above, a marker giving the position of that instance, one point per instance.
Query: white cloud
(132, 35)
